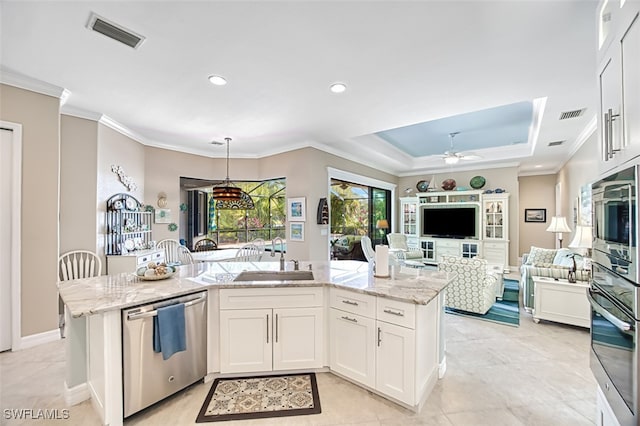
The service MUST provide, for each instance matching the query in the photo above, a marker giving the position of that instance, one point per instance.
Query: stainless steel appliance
(147, 377)
(614, 293)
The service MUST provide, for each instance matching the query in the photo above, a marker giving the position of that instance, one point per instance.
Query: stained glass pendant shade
(228, 196)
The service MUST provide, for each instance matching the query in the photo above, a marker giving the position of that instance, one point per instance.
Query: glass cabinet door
(494, 219)
(409, 219)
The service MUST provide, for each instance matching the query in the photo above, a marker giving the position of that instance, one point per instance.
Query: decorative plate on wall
(448, 184)
(422, 186)
(477, 182)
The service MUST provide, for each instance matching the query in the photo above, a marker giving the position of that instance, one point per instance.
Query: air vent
(556, 143)
(114, 31)
(571, 114)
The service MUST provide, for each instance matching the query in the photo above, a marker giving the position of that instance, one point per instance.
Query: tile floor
(536, 374)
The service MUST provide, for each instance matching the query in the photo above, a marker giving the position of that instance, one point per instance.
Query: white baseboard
(38, 339)
(442, 368)
(76, 394)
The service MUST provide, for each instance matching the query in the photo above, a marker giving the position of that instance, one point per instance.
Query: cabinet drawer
(356, 303)
(156, 256)
(249, 298)
(395, 312)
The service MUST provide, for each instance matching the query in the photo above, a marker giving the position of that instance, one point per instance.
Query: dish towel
(169, 335)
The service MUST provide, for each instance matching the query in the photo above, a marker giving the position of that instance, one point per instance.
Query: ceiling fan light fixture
(452, 159)
(228, 196)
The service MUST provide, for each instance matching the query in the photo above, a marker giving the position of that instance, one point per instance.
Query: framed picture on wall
(296, 231)
(296, 209)
(163, 216)
(535, 215)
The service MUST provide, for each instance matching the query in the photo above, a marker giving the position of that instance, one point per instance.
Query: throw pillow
(563, 257)
(540, 255)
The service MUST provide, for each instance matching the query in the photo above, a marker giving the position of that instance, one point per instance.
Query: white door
(395, 359)
(6, 140)
(246, 340)
(353, 346)
(297, 338)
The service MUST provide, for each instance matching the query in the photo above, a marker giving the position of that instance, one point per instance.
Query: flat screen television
(451, 221)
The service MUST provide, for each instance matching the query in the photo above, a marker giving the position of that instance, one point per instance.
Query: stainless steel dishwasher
(147, 377)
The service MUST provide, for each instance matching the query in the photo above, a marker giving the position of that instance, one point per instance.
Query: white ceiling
(403, 62)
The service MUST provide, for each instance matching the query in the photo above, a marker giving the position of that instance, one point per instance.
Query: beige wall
(580, 170)
(163, 169)
(78, 183)
(116, 149)
(540, 192)
(536, 192)
(304, 169)
(39, 116)
(505, 178)
(307, 176)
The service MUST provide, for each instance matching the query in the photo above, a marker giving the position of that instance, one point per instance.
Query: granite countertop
(113, 292)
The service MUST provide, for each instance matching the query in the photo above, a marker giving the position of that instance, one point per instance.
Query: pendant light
(228, 196)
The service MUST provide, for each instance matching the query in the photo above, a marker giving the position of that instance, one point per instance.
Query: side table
(561, 301)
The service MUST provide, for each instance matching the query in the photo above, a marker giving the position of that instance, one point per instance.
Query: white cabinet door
(610, 117)
(352, 346)
(395, 359)
(246, 340)
(630, 63)
(297, 338)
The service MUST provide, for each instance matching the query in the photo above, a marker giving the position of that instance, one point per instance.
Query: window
(236, 227)
(356, 210)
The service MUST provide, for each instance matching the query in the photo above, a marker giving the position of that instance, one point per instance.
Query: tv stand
(493, 220)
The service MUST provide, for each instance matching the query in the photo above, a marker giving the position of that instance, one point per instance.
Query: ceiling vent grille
(114, 31)
(556, 143)
(571, 114)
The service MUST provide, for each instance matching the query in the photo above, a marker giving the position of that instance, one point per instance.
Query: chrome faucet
(273, 251)
(296, 265)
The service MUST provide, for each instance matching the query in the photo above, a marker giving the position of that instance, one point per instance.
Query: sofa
(551, 263)
(348, 247)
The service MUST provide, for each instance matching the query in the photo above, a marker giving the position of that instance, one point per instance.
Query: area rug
(260, 397)
(505, 311)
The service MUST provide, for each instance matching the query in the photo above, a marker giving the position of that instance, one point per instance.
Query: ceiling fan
(452, 157)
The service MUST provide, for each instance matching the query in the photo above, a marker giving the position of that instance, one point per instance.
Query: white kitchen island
(384, 334)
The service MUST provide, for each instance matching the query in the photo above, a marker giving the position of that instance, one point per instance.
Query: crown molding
(80, 113)
(16, 79)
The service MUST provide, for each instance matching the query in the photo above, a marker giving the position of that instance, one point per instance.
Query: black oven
(613, 293)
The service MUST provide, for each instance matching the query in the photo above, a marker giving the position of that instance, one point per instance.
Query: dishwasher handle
(137, 315)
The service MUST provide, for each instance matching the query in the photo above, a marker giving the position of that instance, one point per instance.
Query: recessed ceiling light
(338, 87)
(537, 166)
(217, 80)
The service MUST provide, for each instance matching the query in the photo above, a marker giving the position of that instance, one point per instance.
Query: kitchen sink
(274, 275)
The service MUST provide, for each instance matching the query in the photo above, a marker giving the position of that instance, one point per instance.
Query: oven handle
(623, 326)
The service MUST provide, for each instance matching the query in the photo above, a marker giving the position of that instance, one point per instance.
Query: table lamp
(559, 225)
(583, 239)
(382, 224)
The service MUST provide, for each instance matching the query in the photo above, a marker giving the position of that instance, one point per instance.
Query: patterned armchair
(474, 288)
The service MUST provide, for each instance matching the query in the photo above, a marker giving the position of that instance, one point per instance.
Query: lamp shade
(382, 224)
(558, 225)
(583, 239)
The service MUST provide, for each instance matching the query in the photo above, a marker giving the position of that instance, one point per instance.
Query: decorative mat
(505, 311)
(260, 397)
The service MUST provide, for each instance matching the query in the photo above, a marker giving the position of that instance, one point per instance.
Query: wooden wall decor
(323, 212)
